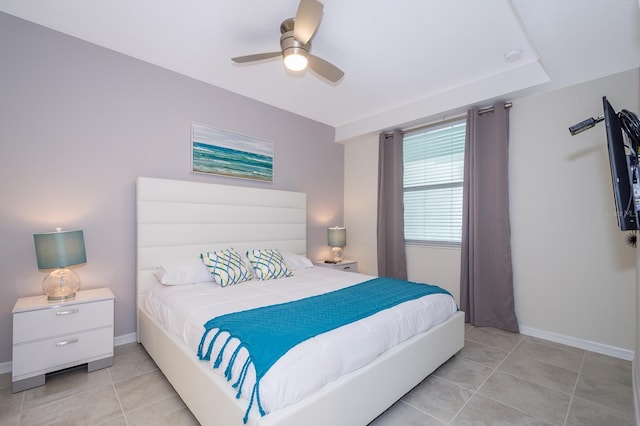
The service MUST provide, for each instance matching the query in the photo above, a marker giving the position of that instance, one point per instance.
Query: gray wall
(79, 123)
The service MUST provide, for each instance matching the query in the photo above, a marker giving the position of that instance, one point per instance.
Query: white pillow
(296, 261)
(183, 272)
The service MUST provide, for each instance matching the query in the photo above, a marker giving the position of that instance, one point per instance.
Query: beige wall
(439, 266)
(574, 277)
(360, 200)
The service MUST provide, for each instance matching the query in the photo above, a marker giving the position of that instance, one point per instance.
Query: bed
(179, 220)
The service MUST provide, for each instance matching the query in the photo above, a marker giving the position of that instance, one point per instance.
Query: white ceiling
(405, 61)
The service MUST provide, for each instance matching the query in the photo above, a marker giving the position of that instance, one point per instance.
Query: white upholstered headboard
(177, 220)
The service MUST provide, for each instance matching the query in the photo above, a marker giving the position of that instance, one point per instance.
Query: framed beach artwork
(223, 153)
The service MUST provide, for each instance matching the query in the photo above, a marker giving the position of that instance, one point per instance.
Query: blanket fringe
(201, 345)
(218, 361)
(255, 394)
(243, 374)
(228, 372)
(207, 356)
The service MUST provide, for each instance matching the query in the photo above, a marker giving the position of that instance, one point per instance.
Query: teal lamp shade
(58, 250)
(336, 239)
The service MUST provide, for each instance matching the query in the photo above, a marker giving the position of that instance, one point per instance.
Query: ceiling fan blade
(256, 57)
(307, 20)
(325, 69)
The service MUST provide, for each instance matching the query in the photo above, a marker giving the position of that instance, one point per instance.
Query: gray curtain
(392, 260)
(486, 278)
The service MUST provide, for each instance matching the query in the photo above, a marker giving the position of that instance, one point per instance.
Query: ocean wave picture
(223, 153)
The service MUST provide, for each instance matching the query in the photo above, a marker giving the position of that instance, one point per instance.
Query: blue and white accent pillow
(226, 266)
(268, 264)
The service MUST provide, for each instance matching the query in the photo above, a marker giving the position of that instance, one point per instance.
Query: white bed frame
(178, 220)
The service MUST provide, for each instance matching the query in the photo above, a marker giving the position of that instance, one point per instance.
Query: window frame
(447, 185)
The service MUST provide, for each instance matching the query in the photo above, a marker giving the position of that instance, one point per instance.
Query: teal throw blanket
(269, 332)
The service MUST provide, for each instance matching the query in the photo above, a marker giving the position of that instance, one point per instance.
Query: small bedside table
(345, 265)
(50, 336)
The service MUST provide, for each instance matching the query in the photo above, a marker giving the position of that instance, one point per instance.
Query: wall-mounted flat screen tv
(621, 175)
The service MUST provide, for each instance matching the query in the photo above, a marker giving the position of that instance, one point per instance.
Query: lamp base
(337, 254)
(61, 285)
(61, 298)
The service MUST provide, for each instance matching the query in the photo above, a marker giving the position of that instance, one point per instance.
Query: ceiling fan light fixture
(295, 44)
(295, 60)
(295, 54)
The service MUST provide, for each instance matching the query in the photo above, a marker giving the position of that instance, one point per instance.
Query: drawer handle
(69, 312)
(67, 342)
(346, 267)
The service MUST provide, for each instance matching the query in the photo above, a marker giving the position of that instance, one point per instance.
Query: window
(433, 176)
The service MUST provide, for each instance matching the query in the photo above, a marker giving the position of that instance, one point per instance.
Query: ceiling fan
(295, 43)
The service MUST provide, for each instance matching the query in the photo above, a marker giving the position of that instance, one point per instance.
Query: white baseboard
(5, 367)
(125, 338)
(588, 345)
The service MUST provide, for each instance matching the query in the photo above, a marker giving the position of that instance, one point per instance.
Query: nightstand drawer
(349, 267)
(72, 349)
(61, 320)
(345, 265)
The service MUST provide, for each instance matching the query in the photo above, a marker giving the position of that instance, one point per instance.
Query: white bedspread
(184, 309)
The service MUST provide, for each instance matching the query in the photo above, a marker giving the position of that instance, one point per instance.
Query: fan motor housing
(287, 25)
(289, 44)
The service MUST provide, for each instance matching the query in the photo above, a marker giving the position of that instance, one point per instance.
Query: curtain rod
(491, 108)
(424, 126)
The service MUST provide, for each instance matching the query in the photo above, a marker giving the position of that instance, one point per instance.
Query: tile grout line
(107, 380)
(151, 404)
(113, 385)
(543, 386)
(21, 408)
(422, 411)
(575, 386)
(539, 384)
(475, 392)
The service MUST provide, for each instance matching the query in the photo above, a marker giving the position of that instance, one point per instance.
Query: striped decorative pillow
(268, 264)
(226, 266)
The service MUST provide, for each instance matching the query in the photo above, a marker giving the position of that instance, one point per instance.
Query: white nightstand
(345, 265)
(50, 336)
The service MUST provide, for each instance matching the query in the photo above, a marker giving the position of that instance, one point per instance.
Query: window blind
(433, 177)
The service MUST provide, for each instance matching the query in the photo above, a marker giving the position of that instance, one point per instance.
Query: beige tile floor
(497, 379)
(131, 392)
(501, 378)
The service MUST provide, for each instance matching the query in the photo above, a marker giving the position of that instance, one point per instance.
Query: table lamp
(58, 250)
(337, 238)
